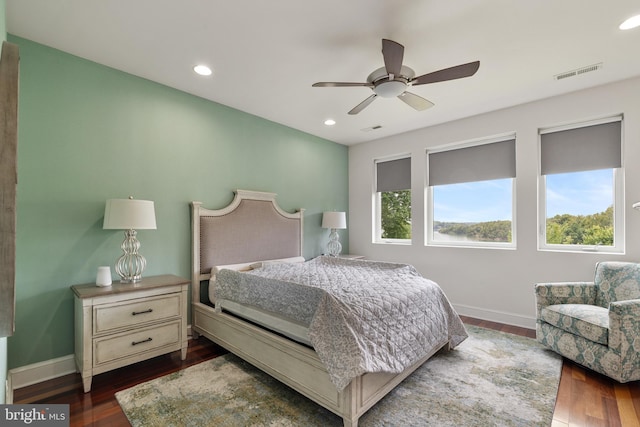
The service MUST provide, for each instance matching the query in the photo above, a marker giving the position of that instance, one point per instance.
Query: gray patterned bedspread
(363, 316)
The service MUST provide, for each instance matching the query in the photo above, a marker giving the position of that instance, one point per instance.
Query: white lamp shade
(129, 214)
(334, 220)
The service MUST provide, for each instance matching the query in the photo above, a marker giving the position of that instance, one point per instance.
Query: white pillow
(246, 266)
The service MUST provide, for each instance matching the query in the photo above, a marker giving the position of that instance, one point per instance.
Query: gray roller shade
(581, 149)
(393, 175)
(496, 160)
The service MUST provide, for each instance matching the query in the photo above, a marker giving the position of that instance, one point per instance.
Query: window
(393, 201)
(471, 194)
(581, 187)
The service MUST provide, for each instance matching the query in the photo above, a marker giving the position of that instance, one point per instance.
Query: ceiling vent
(369, 129)
(579, 71)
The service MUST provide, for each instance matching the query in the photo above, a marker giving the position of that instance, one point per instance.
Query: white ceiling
(267, 54)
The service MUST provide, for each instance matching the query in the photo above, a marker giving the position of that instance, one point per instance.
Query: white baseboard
(496, 316)
(43, 371)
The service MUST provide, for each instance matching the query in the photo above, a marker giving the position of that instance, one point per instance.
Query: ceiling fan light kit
(392, 80)
(390, 88)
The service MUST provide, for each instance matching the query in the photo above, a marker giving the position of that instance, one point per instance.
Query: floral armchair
(595, 324)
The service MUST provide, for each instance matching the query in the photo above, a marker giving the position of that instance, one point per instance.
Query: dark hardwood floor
(584, 397)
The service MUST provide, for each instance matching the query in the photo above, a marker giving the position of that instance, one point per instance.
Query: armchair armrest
(629, 307)
(624, 331)
(564, 293)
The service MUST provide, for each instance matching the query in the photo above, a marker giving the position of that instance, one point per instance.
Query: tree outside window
(580, 208)
(395, 214)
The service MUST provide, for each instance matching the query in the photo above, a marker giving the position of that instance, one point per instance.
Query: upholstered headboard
(251, 228)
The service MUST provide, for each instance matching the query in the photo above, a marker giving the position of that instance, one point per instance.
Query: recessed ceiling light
(203, 70)
(329, 122)
(630, 23)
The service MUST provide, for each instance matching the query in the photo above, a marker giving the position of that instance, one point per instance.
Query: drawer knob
(142, 342)
(135, 313)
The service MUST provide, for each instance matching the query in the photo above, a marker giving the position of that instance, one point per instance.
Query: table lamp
(334, 221)
(130, 215)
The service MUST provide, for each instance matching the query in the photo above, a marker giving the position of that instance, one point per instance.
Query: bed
(254, 234)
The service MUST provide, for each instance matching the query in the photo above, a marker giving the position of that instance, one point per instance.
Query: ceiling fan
(393, 79)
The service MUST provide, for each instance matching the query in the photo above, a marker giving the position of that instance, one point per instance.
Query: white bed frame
(292, 363)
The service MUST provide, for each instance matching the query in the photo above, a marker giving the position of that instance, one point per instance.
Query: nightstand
(123, 324)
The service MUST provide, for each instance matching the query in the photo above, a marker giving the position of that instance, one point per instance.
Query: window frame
(377, 205)
(429, 198)
(618, 246)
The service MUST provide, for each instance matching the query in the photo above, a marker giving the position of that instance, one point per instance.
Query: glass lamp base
(334, 247)
(131, 264)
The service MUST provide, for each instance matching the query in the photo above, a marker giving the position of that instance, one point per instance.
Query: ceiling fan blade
(340, 84)
(457, 72)
(415, 101)
(393, 53)
(363, 104)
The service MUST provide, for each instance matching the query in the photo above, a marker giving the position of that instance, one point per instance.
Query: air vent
(577, 72)
(376, 127)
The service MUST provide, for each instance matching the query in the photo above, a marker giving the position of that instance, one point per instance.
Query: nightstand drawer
(145, 340)
(134, 312)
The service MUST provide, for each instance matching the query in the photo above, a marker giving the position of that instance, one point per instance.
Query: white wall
(498, 284)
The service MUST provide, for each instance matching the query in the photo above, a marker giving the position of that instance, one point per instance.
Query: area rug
(491, 379)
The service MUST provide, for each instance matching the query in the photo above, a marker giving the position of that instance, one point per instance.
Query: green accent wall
(88, 133)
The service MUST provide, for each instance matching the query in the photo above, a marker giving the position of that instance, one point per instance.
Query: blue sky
(578, 193)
